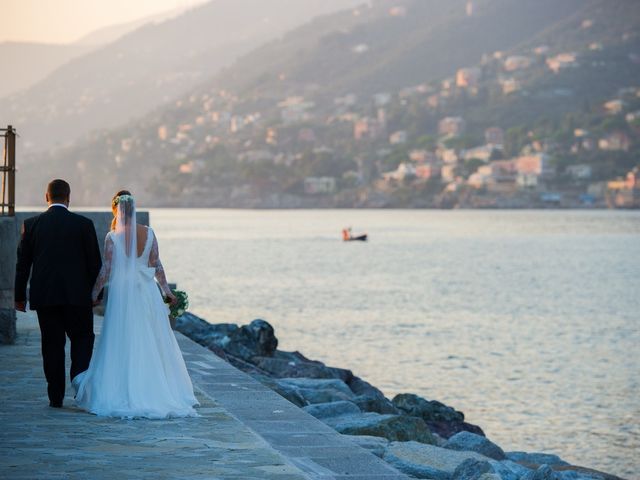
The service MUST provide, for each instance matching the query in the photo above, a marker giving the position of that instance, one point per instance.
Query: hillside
(111, 33)
(149, 66)
(24, 64)
(425, 40)
(315, 119)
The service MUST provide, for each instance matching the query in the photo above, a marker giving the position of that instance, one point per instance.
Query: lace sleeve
(105, 271)
(154, 262)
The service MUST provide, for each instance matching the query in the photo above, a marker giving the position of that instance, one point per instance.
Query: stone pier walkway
(245, 430)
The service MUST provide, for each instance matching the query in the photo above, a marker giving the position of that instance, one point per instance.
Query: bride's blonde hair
(114, 206)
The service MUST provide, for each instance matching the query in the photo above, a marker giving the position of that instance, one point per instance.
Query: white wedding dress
(137, 369)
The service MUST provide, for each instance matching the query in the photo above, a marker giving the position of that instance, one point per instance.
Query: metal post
(11, 164)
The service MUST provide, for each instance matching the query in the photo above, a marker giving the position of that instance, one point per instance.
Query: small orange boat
(347, 236)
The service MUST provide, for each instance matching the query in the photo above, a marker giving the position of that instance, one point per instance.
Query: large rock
(428, 410)
(545, 472)
(468, 441)
(391, 427)
(332, 409)
(295, 365)
(427, 461)
(376, 445)
(248, 341)
(575, 475)
(361, 387)
(535, 458)
(371, 403)
(201, 331)
(448, 429)
(441, 419)
(508, 470)
(471, 469)
(317, 390)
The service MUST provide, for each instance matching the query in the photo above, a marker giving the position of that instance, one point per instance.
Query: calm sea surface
(527, 321)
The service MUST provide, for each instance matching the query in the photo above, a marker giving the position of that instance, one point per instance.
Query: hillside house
(614, 107)
(516, 62)
(163, 133)
(424, 171)
(483, 153)
(632, 117)
(468, 77)
(237, 124)
(451, 126)
(448, 156)
(397, 138)
(422, 156)
(448, 173)
(192, 167)
(535, 164)
(625, 192)
(509, 85)
(367, 128)
(527, 180)
(319, 185)
(499, 175)
(295, 109)
(562, 61)
(615, 141)
(404, 171)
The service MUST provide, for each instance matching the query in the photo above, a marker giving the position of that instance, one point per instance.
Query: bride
(137, 369)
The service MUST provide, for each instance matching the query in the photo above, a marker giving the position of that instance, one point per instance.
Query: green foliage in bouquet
(180, 306)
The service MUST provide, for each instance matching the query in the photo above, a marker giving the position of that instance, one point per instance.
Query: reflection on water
(526, 321)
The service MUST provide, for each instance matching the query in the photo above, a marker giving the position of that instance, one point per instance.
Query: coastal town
(451, 166)
(541, 127)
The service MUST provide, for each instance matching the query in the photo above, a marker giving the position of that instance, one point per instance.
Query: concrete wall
(101, 220)
(10, 228)
(8, 247)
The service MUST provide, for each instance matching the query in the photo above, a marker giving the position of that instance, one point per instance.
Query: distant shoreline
(430, 209)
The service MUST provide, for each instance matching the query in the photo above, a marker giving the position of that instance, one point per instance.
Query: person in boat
(347, 235)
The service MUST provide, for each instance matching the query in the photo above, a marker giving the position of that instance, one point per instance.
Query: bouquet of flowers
(180, 306)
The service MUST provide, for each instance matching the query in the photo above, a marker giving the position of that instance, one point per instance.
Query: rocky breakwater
(422, 438)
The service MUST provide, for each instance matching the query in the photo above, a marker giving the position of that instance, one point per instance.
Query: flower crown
(122, 198)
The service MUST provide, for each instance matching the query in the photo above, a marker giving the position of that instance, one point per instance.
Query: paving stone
(37, 441)
(245, 430)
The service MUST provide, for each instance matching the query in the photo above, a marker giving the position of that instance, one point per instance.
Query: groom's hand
(21, 306)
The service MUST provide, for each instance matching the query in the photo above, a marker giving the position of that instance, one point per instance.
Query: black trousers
(56, 323)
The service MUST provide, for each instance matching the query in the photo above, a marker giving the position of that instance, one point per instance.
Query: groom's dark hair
(58, 190)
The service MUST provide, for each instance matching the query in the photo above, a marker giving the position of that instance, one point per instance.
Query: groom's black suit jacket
(61, 250)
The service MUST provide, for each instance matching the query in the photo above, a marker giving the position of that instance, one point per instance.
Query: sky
(64, 21)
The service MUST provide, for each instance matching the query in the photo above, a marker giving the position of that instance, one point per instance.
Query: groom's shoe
(55, 404)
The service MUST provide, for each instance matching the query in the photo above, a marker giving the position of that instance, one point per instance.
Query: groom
(61, 251)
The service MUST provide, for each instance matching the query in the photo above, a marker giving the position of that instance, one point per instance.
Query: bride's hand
(172, 298)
